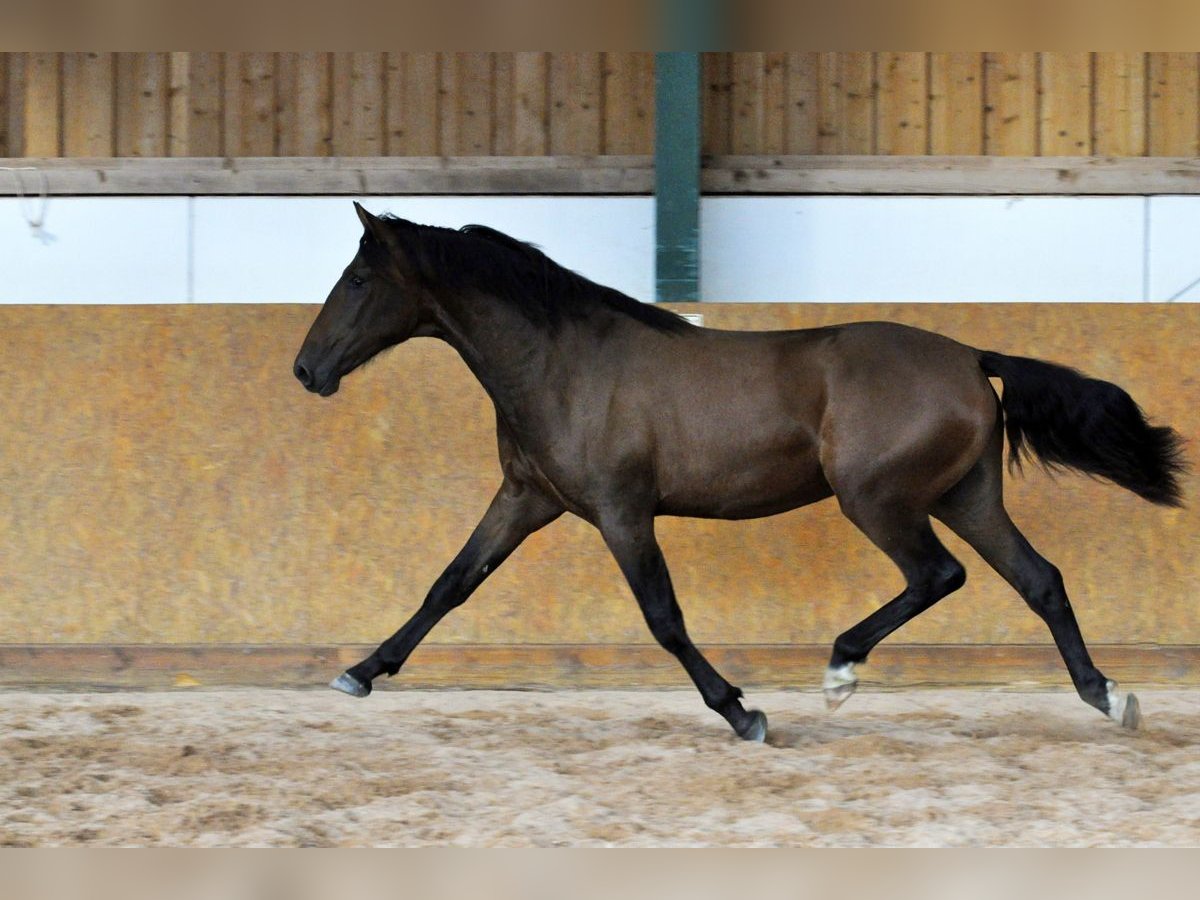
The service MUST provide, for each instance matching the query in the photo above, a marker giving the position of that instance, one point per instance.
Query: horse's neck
(510, 356)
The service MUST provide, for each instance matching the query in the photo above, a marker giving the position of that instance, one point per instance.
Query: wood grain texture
(42, 128)
(424, 103)
(716, 103)
(803, 125)
(1065, 116)
(1011, 104)
(387, 176)
(201, 496)
(358, 104)
(956, 104)
(531, 104)
(89, 104)
(157, 667)
(205, 105)
(1121, 104)
(576, 98)
(903, 104)
(1174, 112)
(142, 117)
(414, 88)
(628, 103)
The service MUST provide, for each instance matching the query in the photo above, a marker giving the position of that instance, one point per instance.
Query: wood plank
(358, 104)
(205, 105)
(316, 176)
(142, 80)
(1174, 99)
(846, 90)
(531, 110)
(1011, 104)
(802, 103)
(747, 97)
(774, 130)
(178, 100)
(611, 666)
(503, 101)
(628, 103)
(956, 104)
(820, 174)
(903, 105)
(1119, 127)
(1065, 118)
(717, 104)
(5, 150)
(16, 104)
(43, 104)
(473, 112)
(305, 105)
(576, 115)
(250, 104)
(825, 174)
(413, 91)
(89, 122)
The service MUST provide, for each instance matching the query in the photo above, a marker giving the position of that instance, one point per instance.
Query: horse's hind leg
(930, 573)
(974, 509)
(637, 553)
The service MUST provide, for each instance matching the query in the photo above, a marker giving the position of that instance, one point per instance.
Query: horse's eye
(355, 281)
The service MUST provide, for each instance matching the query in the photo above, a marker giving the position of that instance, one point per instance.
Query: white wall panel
(1173, 248)
(922, 248)
(292, 250)
(95, 250)
(269, 249)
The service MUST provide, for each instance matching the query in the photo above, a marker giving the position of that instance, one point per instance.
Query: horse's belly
(744, 487)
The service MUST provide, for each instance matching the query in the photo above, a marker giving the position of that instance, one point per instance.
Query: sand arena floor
(486, 768)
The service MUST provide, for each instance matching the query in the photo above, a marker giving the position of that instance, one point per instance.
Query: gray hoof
(1131, 718)
(348, 684)
(756, 731)
(836, 696)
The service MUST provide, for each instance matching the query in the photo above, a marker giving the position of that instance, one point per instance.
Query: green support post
(677, 176)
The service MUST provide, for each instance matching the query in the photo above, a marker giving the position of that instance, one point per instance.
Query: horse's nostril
(304, 375)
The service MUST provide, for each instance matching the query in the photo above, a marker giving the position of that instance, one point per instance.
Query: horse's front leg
(516, 512)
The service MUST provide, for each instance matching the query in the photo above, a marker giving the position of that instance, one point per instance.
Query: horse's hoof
(348, 684)
(840, 683)
(1124, 709)
(836, 696)
(1131, 718)
(756, 730)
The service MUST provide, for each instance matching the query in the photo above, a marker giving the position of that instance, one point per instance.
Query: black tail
(1065, 419)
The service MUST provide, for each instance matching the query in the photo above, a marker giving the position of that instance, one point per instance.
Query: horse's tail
(1064, 419)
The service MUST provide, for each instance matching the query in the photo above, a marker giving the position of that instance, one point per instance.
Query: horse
(618, 411)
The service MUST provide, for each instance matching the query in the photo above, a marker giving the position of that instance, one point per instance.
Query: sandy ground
(588, 768)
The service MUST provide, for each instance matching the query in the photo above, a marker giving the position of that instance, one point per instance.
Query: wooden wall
(325, 104)
(913, 103)
(533, 103)
(165, 480)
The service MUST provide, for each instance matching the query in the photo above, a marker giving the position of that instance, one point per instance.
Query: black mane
(521, 274)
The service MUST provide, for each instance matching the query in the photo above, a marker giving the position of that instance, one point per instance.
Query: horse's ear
(373, 225)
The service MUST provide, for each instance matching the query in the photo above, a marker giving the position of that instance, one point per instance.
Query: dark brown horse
(619, 412)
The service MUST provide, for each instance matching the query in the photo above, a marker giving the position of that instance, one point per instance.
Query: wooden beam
(354, 176)
(384, 176)
(998, 175)
(761, 666)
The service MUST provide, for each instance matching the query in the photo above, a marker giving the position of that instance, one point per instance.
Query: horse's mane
(519, 273)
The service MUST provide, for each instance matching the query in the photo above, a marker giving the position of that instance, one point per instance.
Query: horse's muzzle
(325, 386)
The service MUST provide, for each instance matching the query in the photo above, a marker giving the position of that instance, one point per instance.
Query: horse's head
(374, 305)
